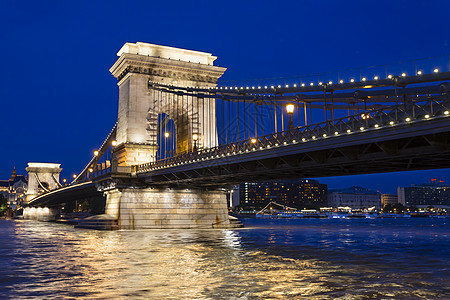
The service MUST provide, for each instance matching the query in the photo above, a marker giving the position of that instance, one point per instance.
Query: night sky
(59, 101)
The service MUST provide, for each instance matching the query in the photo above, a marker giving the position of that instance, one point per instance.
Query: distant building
(355, 197)
(436, 193)
(303, 193)
(14, 189)
(386, 199)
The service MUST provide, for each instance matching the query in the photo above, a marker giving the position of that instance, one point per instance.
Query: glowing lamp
(290, 108)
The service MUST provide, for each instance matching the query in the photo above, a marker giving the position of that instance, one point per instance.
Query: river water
(269, 259)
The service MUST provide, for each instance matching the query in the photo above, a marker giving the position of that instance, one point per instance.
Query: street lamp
(290, 111)
(74, 176)
(114, 143)
(166, 135)
(195, 138)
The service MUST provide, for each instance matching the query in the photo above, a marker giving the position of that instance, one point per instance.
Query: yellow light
(348, 130)
(352, 80)
(336, 133)
(389, 76)
(95, 153)
(311, 84)
(320, 83)
(166, 134)
(419, 72)
(364, 79)
(303, 84)
(253, 141)
(427, 116)
(114, 143)
(376, 78)
(290, 108)
(195, 137)
(391, 122)
(341, 81)
(403, 74)
(361, 128)
(64, 180)
(91, 170)
(408, 119)
(324, 135)
(74, 176)
(436, 70)
(446, 112)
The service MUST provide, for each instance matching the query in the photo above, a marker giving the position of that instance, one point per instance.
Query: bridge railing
(407, 112)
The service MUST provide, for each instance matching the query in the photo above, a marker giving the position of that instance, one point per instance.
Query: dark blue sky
(59, 101)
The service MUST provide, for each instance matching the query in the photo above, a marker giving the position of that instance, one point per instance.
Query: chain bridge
(182, 140)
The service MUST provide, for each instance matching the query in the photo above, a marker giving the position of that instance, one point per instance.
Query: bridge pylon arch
(42, 177)
(140, 64)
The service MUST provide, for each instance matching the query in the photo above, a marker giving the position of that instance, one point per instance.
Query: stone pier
(152, 208)
(40, 213)
(140, 129)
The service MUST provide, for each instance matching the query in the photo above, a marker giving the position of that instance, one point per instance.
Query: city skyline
(60, 101)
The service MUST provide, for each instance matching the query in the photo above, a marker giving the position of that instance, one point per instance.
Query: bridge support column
(167, 208)
(40, 213)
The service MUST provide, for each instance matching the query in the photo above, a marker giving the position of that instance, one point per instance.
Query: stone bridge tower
(42, 177)
(140, 104)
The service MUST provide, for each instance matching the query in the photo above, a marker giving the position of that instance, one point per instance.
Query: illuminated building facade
(14, 189)
(386, 199)
(301, 194)
(436, 193)
(355, 197)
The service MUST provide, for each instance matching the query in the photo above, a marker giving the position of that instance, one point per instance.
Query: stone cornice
(166, 68)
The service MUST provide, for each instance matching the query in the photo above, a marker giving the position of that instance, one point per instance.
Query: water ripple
(269, 259)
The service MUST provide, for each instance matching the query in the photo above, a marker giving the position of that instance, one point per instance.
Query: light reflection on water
(314, 259)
